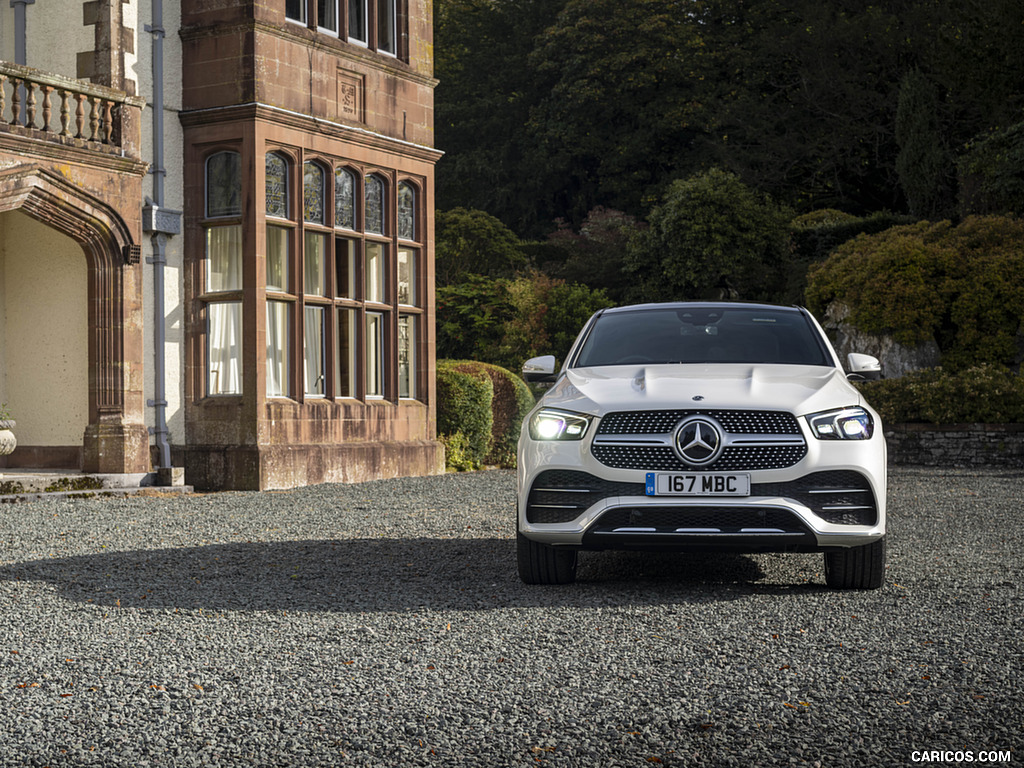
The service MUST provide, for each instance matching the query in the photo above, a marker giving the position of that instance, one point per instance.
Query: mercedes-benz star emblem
(698, 441)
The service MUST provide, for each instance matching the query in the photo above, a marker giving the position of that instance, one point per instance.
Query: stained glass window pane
(406, 211)
(224, 185)
(313, 193)
(374, 205)
(277, 186)
(344, 199)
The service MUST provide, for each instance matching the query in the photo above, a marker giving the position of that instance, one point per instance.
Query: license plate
(697, 484)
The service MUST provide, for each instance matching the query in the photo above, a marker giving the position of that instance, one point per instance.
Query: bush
(983, 394)
(957, 285)
(509, 402)
(990, 177)
(506, 322)
(464, 419)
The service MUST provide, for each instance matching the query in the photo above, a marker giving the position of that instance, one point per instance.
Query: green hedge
(984, 394)
(479, 412)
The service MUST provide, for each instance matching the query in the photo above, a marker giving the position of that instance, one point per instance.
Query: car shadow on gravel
(384, 575)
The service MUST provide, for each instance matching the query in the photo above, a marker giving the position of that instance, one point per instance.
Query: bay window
(222, 274)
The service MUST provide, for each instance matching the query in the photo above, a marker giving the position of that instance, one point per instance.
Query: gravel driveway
(383, 624)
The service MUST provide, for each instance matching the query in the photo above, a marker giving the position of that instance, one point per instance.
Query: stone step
(19, 484)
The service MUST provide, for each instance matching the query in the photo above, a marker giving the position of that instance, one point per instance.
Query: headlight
(548, 424)
(844, 424)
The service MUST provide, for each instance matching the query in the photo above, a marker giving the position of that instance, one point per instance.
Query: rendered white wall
(43, 332)
(54, 35)
(142, 73)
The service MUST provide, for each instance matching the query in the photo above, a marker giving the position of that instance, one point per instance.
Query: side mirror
(863, 367)
(540, 369)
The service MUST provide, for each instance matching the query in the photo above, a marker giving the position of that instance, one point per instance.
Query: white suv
(702, 426)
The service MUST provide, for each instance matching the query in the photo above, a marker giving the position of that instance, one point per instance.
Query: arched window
(277, 186)
(406, 211)
(344, 199)
(224, 185)
(313, 193)
(374, 209)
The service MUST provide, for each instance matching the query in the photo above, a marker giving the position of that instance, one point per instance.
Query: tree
(711, 237)
(620, 110)
(594, 255)
(473, 242)
(924, 164)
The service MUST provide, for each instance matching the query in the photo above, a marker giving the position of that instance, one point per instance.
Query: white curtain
(314, 351)
(407, 356)
(277, 259)
(345, 359)
(374, 273)
(374, 355)
(224, 258)
(315, 264)
(407, 276)
(224, 348)
(278, 331)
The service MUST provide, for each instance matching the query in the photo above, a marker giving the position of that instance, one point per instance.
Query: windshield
(703, 335)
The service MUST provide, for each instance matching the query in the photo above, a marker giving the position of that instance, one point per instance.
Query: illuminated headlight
(844, 424)
(548, 424)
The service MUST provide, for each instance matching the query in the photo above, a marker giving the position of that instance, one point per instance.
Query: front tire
(856, 567)
(543, 563)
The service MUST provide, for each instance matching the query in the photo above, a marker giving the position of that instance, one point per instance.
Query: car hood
(795, 388)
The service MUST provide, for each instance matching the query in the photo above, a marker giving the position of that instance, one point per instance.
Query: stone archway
(116, 439)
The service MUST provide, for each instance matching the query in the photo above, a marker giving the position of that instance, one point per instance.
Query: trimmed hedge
(984, 394)
(464, 420)
(506, 403)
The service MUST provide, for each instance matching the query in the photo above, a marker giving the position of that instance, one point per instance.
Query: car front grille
(723, 519)
(754, 440)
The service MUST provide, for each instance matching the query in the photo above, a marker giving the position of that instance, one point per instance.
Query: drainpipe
(20, 35)
(19, 30)
(162, 224)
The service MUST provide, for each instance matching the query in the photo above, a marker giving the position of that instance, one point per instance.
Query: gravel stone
(383, 624)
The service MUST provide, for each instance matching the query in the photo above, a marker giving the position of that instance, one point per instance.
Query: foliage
(711, 237)
(594, 255)
(982, 394)
(511, 401)
(464, 408)
(957, 285)
(547, 109)
(5, 415)
(474, 242)
(505, 322)
(620, 110)
(991, 179)
(923, 163)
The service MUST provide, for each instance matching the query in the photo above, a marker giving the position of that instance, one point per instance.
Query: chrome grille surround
(752, 440)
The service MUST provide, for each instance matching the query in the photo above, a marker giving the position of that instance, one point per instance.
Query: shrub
(464, 419)
(508, 402)
(983, 394)
(956, 285)
(990, 177)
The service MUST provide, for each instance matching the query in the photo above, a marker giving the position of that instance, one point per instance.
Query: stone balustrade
(60, 109)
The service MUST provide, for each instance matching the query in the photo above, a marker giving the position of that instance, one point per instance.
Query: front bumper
(833, 497)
